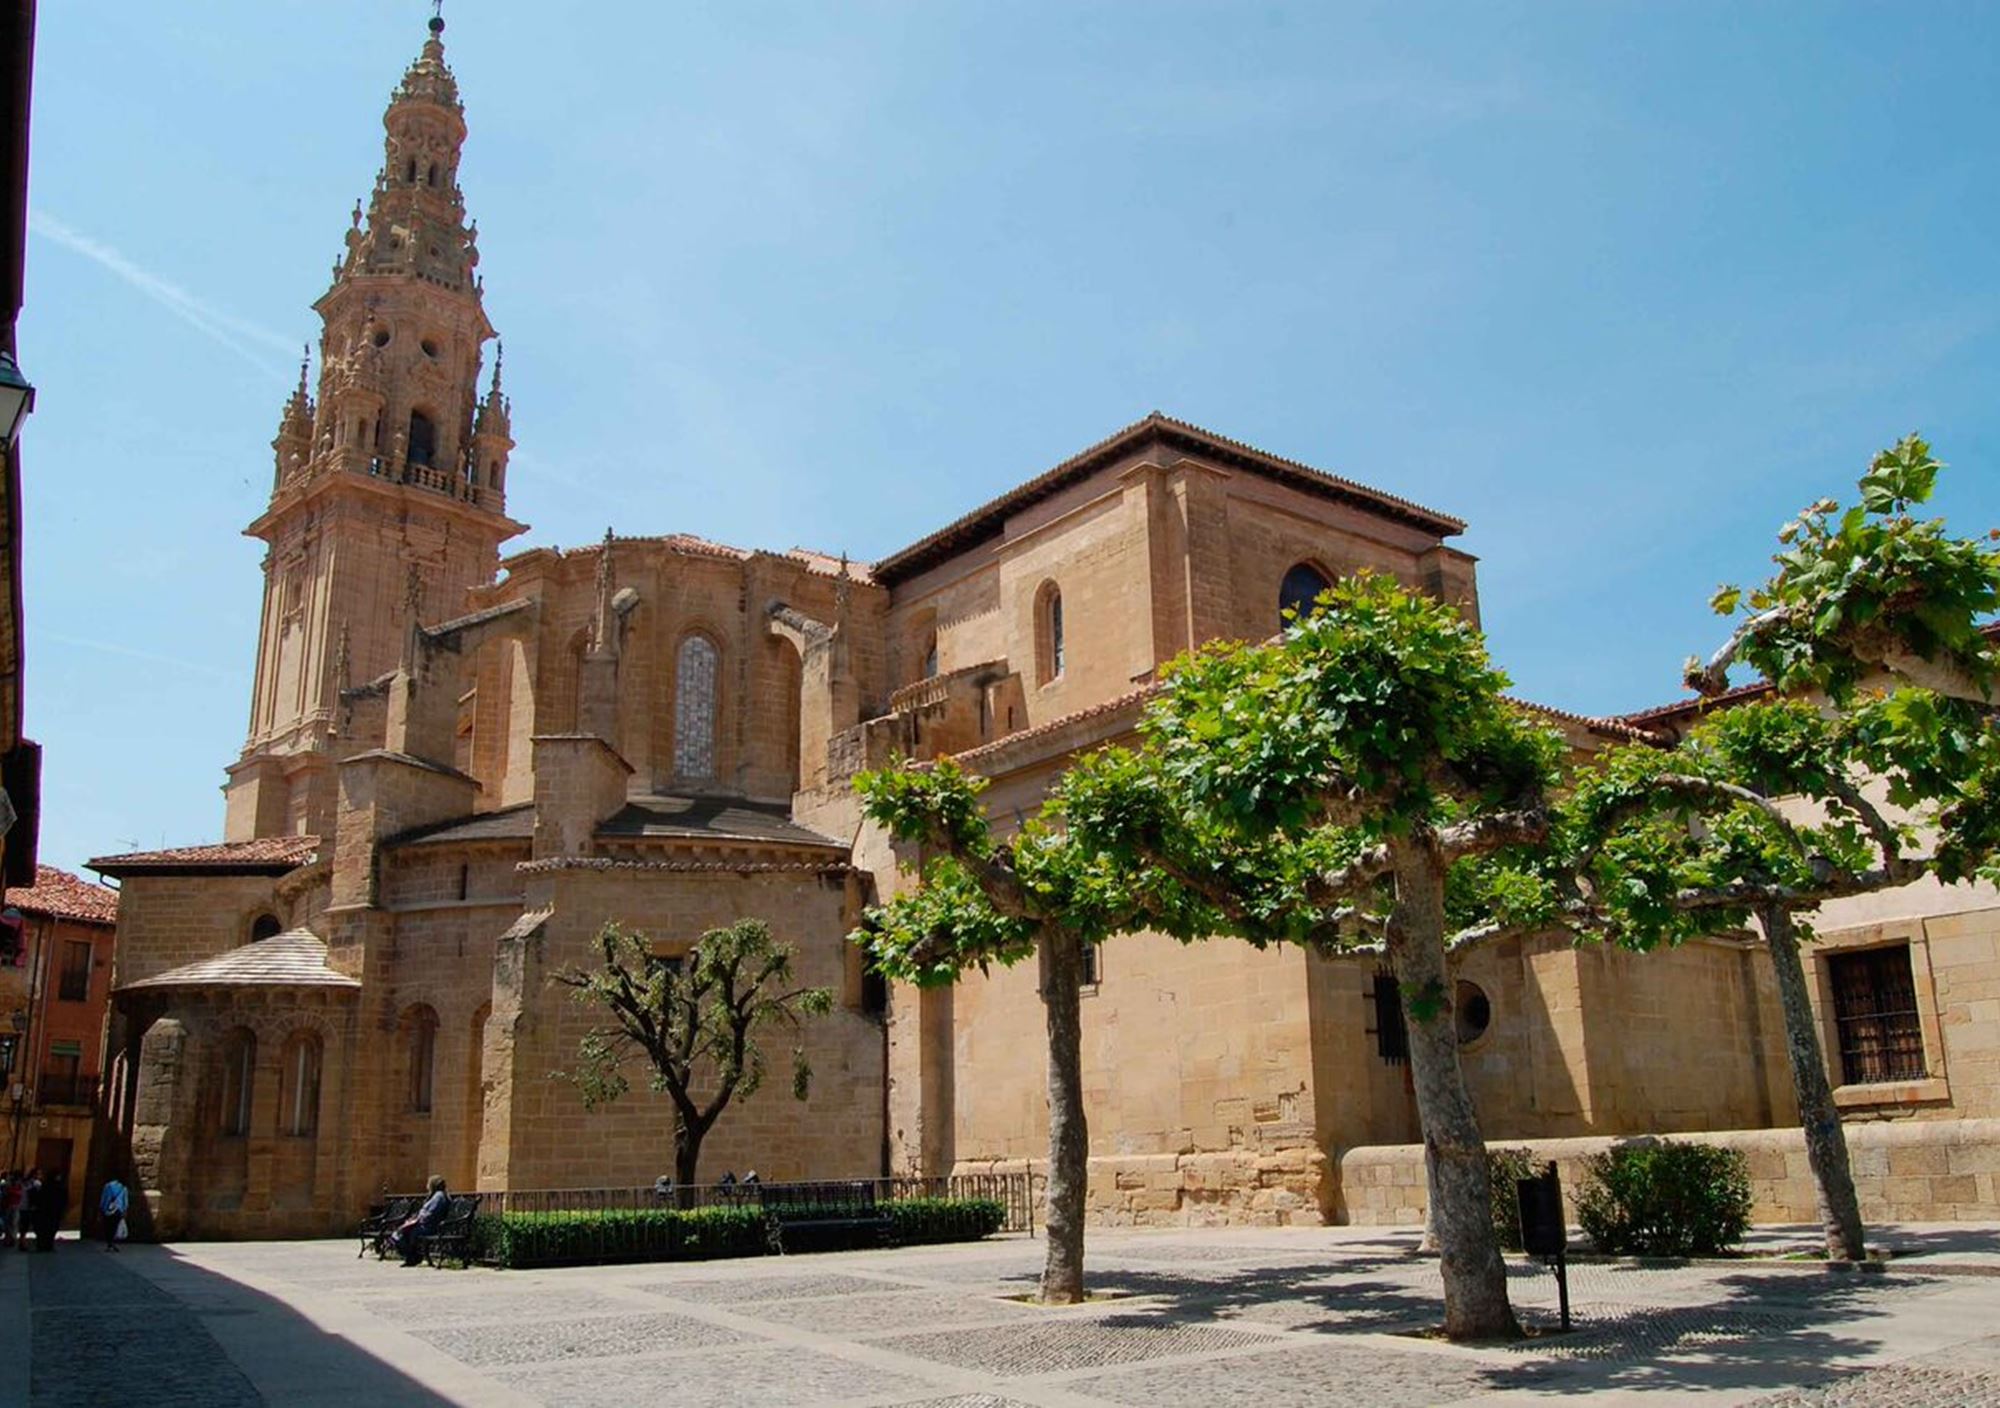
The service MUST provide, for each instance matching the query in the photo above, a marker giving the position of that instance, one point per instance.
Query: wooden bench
(795, 1211)
(384, 1218)
(454, 1232)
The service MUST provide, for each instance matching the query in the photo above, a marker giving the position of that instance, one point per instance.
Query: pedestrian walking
(111, 1205)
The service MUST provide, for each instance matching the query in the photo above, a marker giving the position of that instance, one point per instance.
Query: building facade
(461, 764)
(56, 941)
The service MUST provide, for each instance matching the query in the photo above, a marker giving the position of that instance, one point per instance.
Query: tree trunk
(1461, 1205)
(1069, 1138)
(1826, 1142)
(687, 1157)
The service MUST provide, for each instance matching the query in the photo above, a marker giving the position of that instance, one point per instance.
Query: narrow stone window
(1875, 1012)
(265, 926)
(75, 971)
(239, 1068)
(421, 1026)
(300, 1097)
(694, 709)
(931, 657)
(431, 178)
(1392, 1038)
(1049, 653)
(1298, 594)
(410, 172)
(1093, 966)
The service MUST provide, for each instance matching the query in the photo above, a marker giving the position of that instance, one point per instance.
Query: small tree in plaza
(1358, 785)
(694, 1019)
(983, 901)
(1669, 845)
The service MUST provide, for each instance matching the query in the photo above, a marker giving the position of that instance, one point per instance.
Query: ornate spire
(295, 427)
(604, 629)
(428, 80)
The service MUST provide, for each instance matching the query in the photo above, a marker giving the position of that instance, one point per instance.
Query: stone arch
(1299, 589)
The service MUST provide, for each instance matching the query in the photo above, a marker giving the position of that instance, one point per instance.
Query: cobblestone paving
(1281, 1321)
(596, 1338)
(98, 1329)
(1895, 1386)
(1086, 1342)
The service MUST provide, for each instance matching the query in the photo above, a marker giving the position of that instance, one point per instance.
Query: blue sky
(1621, 285)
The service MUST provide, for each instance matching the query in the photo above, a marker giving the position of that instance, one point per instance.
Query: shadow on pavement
(148, 1327)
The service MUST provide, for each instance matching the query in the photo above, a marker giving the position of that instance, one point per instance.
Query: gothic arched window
(299, 1099)
(1299, 592)
(422, 448)
(264, 926)
(695, 675)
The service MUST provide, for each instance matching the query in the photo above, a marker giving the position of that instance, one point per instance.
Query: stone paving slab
(1077, 1341)
(894, 1313)
(746, 1378)
(1293, 1376)
(760, 1288)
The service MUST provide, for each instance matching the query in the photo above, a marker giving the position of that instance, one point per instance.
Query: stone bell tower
(390, 494)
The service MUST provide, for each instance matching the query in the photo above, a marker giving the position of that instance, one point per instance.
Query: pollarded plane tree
(983, 900)
(693, 1019)
(1875, 762)
(1357, 785)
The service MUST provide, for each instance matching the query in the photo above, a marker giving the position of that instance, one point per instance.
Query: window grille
(1392, 1038)
(1875, 1014)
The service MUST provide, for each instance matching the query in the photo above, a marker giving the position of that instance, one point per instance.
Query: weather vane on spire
(437, 16)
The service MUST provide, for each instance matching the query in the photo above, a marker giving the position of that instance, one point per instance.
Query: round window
(381, 338)
(1473, 1012)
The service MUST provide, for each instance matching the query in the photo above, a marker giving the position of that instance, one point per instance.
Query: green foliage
(1852, 584)
(1665, 1200)
(689, 1014)
(1504, 1169)
(1675, 843)
(520, 1239)
(606, 1237)
(1373, 709)
(936, 805)
(923, 1220)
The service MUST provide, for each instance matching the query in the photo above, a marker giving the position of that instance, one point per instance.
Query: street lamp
(17, 398)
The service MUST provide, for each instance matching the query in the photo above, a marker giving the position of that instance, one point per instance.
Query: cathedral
(461, 762)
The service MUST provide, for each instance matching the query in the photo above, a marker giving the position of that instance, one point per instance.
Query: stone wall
(1911, 1171)
(1280, 1183)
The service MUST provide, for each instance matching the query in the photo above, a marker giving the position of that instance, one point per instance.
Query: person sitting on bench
(409, 1239)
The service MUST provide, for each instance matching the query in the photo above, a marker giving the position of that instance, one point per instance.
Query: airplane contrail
(237, 334)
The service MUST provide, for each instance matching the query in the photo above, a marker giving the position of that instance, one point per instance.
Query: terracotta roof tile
(61, 895)
(294, 959)
(273, 853)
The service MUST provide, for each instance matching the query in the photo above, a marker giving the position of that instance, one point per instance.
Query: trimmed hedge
(522, 1239)
(603, 1237)
(919, 1220)
(1665, 1200)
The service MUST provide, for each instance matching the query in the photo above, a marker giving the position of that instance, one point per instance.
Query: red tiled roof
(61, 895)
(268, 853)
(1695, 705)
(986, 520)
(1620, 726)
(1056, 725)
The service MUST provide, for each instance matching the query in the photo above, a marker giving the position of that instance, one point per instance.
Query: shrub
(603, 1237)
(1665, 1200)
(607, 1236)
(919, 1220)
(1504, 1168)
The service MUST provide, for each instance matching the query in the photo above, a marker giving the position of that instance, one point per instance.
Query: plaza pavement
(1200, 1319)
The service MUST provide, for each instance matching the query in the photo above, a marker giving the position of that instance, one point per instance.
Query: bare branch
(1358, 874)
(1486, 834)
(1887, 841)
(1713, 678)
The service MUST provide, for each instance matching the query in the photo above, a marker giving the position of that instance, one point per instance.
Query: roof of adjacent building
(293, 959)
(61, 895)
(988, 519)
(663, 817)
(266, 855)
